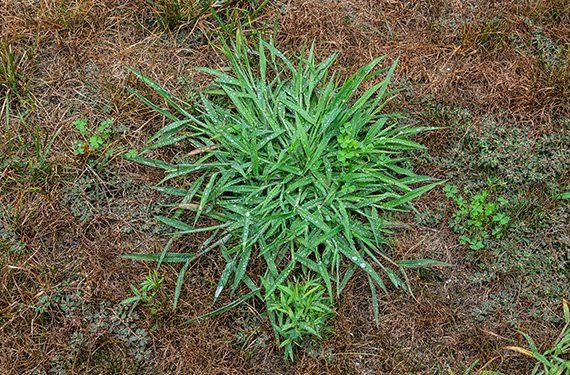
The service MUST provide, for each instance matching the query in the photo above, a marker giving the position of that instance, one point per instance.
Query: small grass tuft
(146, 294)
(14, 85)
(178, 14)
(299, 310)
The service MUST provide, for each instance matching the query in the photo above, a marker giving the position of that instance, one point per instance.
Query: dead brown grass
(460, 52)
(75, 55)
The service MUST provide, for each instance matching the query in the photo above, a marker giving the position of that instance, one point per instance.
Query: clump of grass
(25, 154)
(9, 76)
(299, 310)
(294, 168)
(175, 14)
(13, 82)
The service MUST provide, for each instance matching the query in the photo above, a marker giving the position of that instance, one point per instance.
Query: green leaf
(227, 307)
(166, 258)
(418, 263)
(130, 300)
(81, 125)
(410, 195)
(162, 92)
(130, 154)
(565, 195)
(175, 223)
(179, 282)
(224, 279)
(150, 162)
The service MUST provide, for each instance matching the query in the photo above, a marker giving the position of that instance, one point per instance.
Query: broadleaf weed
(479, 218)
(94, 141)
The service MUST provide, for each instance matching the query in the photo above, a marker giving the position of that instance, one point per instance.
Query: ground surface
(494, 74)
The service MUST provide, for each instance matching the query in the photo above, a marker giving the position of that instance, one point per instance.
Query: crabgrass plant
(298, 311)
(295, 167)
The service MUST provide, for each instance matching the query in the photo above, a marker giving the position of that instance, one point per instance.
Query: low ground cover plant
(528, 261)
(478, 218)
(94, 145)
(292, 168)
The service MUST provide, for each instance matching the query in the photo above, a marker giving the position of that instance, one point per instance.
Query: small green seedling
(479, 219)
(149, 287)
(94, 142)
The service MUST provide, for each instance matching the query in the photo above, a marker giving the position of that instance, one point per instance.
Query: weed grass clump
(175, 14)
(294, 168)
(298, 311)
(13, 83)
